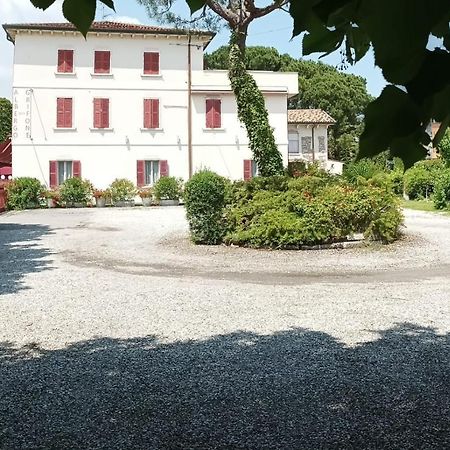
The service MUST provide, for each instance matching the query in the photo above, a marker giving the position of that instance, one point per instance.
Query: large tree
(342, 95)
(399, 32)
(5, 118)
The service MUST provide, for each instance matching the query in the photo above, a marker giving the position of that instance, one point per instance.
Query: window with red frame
(151, 63)
(65, 61)
(102, 62)
(151, 113)
(101, 112)
(64, 112)
(213, 113)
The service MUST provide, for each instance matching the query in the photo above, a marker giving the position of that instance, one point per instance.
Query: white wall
(106, 155)
(317, 131)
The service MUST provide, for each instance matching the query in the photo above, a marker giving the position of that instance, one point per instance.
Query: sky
(273, 30)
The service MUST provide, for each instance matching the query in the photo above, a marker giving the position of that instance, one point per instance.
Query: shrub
(75, 190)
(441, 197)
(365, 168)
(205, 195)
(294, 218)
(168, 188)
(24, 192)
(396, 177)
(419, 180)
(122, 190)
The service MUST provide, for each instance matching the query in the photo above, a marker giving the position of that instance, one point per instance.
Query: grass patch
(422, 205)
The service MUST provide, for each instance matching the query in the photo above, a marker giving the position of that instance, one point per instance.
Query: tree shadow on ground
(20, 254)
(296, 389)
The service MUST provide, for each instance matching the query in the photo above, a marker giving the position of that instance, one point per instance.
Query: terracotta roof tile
(309, 116)
(106, 27)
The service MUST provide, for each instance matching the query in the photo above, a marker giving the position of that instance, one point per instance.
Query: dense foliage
(253, 114)
(122, 190)
(286, 212)
(419, 180)
(5, 118)
(75, 191)
(441, 197)
(168, 188)
(205, 196)
(444, 148)
(24, 192)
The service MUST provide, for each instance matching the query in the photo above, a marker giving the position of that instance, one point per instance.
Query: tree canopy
(342, 95)
(5, 118)
(399, 32)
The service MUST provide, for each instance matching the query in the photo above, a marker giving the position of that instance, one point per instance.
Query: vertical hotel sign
(21, 126)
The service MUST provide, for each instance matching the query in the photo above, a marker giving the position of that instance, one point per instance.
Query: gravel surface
(117, 333)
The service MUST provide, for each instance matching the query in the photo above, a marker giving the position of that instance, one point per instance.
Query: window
(293, 143)
(101, 112)
(306, 144)
(65, 61)
(102, 62)
(151, 113)
(64, 113)
(213, 113)
(150, 171)
(151, 63)
(250, 169)
(60, 171)
(322, 148)
(65, 171)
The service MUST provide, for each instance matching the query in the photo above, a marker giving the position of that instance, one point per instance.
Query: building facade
(130, 102)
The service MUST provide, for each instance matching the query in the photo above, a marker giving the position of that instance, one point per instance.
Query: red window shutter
(53, 174)
(209, 113)
(69, 61)
(147, 113)
(60, 119)
(151, 63)
(65, 61)
(68, 112)
(217, 114)
(97, 112)
(155, 113)
(105, 113)
(76, 169)
(61, 60)
(140, 173)
(64, 113)
(102, 62)
(163, 168)
(247, 169)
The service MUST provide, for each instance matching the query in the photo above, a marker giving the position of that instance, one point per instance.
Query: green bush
(205, 195)
(75, 190)
(364, 168)
(24, 192)
(168, 188)
(441, 197)
(294, 218)
(419, 180)
(122, 190)
(396, 177)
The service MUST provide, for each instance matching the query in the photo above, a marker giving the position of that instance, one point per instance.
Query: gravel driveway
(117, 333)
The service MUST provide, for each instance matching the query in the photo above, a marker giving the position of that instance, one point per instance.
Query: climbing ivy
(253, 114)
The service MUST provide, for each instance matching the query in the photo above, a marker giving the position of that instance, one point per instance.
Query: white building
(124, 104)
(308, 138)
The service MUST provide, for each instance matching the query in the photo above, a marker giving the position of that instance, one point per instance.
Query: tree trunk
(252, 110)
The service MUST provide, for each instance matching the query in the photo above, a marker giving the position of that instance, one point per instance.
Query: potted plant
(146, 195)
(76, 192)
(101, 196)
(123, 192)
(53, 197)
(168, 191)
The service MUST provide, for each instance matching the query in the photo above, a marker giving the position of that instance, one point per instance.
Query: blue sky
(273, 30)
